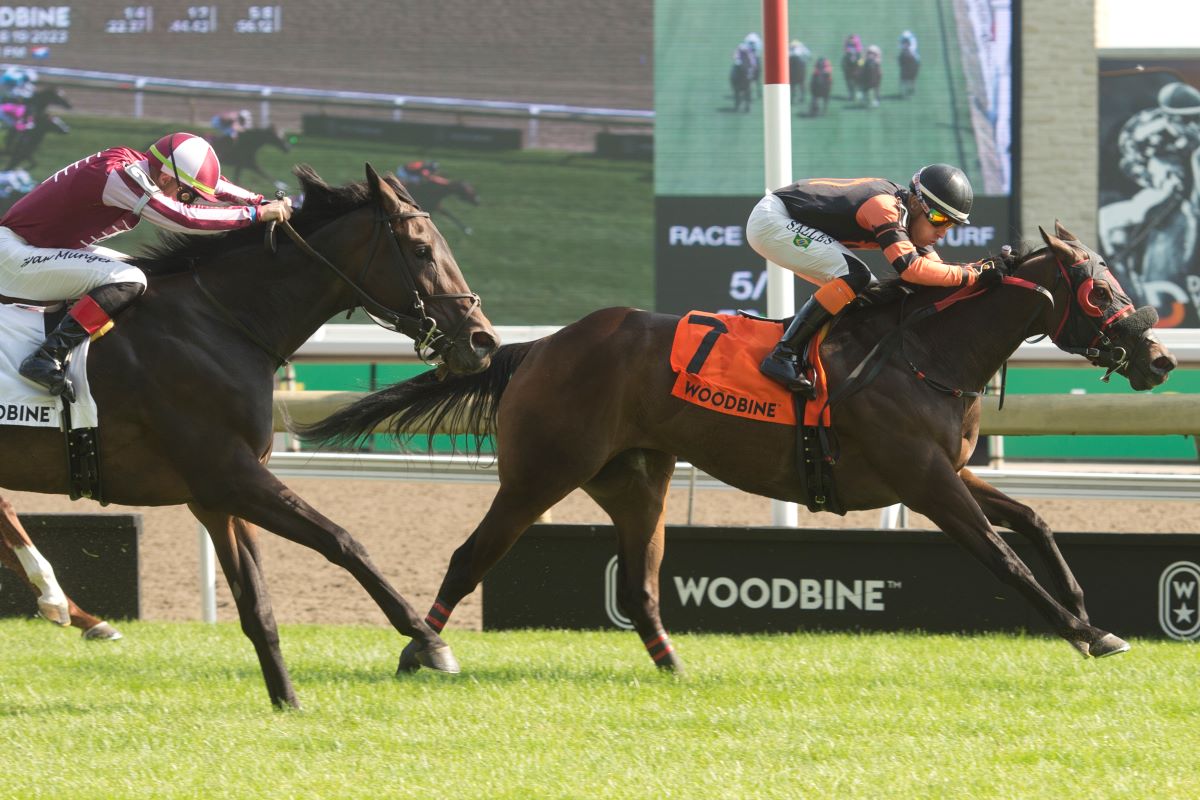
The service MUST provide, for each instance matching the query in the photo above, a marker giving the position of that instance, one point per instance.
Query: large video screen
(543, 108)
(1149, 215)
(943, 93)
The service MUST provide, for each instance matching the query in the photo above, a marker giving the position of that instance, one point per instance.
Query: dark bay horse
(431, 192)
(591, 407)
(741, 77)
(239, 154)
(184, 382)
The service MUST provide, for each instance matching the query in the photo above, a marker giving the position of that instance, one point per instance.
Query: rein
(856, 380)
(420, 327)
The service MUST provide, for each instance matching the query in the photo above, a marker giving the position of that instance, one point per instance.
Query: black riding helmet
(945, 188)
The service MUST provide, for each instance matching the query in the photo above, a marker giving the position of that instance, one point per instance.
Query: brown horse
(23, 559)
(591, 407)
(240, 153)
(431, 192)
(184, 383)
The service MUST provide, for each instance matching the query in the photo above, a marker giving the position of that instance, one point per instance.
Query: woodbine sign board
(772, 580)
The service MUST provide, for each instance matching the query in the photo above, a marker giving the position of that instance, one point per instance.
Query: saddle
(22, 328)
(716, 358)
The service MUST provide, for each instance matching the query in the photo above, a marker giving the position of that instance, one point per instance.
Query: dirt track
(411, 529)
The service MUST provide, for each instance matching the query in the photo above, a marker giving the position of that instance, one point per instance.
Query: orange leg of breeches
(835, 295)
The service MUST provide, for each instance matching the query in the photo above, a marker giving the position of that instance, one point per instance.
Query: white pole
(777, 162)
(208, 577)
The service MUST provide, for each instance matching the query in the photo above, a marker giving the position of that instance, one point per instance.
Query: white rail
(372, 343)
(395, 103)
(1120, 485)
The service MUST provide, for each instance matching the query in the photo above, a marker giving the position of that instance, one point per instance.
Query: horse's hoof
(408, 658)
(1080, 646)
(102, 632)
(1108, 645)
(439, 658)
(55, 612)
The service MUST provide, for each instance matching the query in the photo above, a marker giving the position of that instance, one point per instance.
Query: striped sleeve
(884, 216)
(229, 192)
(121, 191)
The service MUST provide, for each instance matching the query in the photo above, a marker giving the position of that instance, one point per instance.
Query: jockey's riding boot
(46, 366)
(784, 364)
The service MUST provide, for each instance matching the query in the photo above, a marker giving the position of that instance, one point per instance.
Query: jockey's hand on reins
(269, 240)
(990, 273)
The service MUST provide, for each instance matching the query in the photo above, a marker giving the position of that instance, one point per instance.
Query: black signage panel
(761, 580)
(95, 559)
(702, 260)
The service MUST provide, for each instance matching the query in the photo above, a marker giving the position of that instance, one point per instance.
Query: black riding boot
(46, 368)
(783, 364)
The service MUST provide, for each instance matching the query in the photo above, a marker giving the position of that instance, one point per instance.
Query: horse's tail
(465, 404)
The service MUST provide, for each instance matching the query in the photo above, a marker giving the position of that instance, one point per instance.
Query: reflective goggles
(936, 217)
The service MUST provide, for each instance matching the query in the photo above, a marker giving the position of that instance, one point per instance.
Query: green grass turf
(702, 147)
(557, 235)
(179, 711)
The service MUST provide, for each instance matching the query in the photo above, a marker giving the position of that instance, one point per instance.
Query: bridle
(415, 322)
(1091, 322)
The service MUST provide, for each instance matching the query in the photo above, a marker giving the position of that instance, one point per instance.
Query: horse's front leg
(938, 493)
(237, 549)
(1005, 512)
(257, 496)
(52, 600)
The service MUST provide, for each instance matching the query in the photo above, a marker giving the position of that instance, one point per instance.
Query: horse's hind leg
(236, 547)
(1003, 511)
(632, 489)
(52, 601)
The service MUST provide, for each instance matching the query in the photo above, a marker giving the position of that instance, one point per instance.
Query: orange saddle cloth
(716, 357)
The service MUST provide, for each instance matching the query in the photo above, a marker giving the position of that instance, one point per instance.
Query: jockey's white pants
(48, 274)
(810, 253)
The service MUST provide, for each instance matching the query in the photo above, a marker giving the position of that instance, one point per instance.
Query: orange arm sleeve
(882, 216)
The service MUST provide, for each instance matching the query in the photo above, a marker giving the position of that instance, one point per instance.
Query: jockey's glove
(989, 274)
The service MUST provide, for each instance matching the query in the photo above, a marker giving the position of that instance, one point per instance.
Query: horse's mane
(175, 252)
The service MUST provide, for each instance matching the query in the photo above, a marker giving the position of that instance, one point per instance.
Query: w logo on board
(1179, 600)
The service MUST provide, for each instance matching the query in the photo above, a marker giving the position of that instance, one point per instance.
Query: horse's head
(277, 138)
(441, 313)
(467, 192)
(46, 97)
(1095, 318)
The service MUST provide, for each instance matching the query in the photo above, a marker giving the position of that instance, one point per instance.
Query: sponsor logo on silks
(805, 594)
(1179, 600)
(728, 401)
(802, 241)
(611, 607)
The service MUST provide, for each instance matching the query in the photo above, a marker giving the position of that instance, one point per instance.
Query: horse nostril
(1164, 364)
(483, 343)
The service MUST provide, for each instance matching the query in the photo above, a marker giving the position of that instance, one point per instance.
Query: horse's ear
(376, 184)
(1063, 233)
(1062, 251)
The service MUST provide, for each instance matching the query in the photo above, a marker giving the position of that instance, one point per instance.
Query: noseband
(417, 324)
(1101, 350)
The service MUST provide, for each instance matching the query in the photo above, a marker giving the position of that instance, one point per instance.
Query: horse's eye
(1098, 296)
(424, 251)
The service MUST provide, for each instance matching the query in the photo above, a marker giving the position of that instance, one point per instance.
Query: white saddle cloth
(22, 329)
